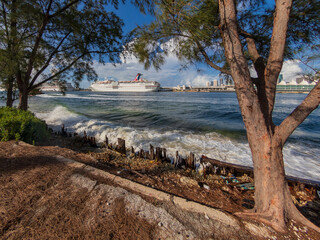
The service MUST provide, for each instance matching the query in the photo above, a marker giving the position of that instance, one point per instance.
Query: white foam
(299, 161)
(60, 115)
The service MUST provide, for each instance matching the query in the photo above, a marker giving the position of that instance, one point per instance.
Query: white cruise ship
(137, 85)
(55, 87)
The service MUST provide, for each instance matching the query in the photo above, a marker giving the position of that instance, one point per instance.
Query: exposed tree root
(295, 214)
(292, 213)
(264, 218)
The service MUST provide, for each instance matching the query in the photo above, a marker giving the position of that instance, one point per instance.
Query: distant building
(215, 83)
(229, 82)
(298, 85)
(300, 79)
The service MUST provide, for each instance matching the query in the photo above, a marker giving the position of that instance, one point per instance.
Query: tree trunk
(10, 93)
(273, 203)
(269, 179)
(23, 98)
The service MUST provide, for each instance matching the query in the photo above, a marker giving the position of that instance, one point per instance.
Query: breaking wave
(301, 160)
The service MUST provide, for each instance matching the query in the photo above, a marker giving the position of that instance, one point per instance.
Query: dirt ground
(42, 198)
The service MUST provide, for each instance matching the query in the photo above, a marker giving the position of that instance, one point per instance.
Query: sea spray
(213, 145)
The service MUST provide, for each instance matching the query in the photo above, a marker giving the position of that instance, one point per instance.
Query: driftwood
(215, 166)
(141, 154)
(121, 147)
(92, 141)
(158, 153)
(106, 142)
(302, 183)
(224, 168)
(151, 153)
(190, 161)
(177, 159)
(64, 131)
(164, 153)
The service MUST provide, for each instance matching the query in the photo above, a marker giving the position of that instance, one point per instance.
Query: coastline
(205, 173)
(208, 189)
(202, 123)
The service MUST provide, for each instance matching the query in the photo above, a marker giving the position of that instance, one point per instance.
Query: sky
(170, 74)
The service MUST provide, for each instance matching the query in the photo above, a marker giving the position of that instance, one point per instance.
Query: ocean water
(202, 123)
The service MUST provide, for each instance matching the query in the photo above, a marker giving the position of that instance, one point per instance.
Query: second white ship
(137, 85)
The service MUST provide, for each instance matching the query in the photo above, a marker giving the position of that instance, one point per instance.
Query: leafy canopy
(57, 39)
(190, 30)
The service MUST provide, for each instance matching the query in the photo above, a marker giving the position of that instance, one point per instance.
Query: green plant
(16, 124)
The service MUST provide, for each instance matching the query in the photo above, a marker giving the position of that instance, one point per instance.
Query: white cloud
(168, 76)
(291, 70)
(196, 79)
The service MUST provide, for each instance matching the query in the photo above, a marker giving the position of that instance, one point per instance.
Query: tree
(50, 40)
(230, 36)
(311, 72)
(8, 51)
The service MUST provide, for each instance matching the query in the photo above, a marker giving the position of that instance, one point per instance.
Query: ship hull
(125, 87)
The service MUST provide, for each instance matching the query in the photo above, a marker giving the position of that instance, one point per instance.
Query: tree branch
(69, 66)
(64, 8)
(5, 2)
(254, 54)
(5, 20)
(307, 65)
(37, 43)
(48, 60)
(277, 46)
(259, 66)
(208, 61)
(233, 48)
(58, 73)
(310, 103)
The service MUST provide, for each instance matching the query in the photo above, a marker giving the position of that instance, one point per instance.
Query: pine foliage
(56, 40)
(190, 30)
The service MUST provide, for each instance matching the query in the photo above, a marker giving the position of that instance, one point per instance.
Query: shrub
(16, 124)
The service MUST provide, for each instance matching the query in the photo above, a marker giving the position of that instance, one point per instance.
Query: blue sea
(202, 123)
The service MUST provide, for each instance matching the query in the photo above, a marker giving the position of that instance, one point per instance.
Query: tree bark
(23, 98)
(277, 46)
(10, 92)
(11, 34)
(23, 91)
(273, 203)
(269, 180)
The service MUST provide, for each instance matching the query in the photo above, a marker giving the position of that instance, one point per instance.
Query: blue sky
(169, 74)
